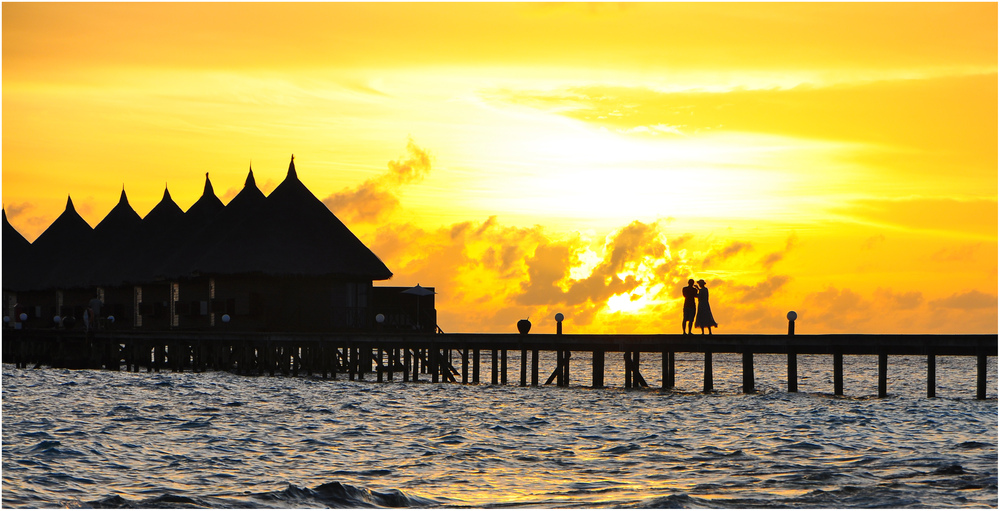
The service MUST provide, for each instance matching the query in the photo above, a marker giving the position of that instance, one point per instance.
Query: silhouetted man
(690, 292)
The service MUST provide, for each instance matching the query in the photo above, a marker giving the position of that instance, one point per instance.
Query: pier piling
(708, 373)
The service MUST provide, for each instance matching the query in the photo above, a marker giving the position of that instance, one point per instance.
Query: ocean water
(102, 439)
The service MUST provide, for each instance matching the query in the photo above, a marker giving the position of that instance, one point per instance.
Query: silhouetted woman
(704, 319)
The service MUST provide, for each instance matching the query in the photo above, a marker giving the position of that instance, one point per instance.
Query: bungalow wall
(404, 311)
(292, 303)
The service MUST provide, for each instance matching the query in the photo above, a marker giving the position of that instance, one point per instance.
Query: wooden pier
(456, 358)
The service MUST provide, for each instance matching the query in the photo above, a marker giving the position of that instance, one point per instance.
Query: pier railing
(457, 357)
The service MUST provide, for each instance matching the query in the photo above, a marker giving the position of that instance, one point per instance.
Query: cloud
(369, 202)
(873, 241)
(901, 301)
(974, 216)
(730, 250)
(964, 252)
(759, 291)
(773, 258)
(376, 198)
(414, 168)
(968, 300)
(15, 210)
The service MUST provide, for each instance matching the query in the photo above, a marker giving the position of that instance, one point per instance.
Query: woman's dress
(704, 319)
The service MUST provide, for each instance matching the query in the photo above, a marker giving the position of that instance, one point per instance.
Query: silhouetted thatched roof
(16, 256)
(289, 233)
(56, 253)
(114, 232)
(293, 233)
(187, 261)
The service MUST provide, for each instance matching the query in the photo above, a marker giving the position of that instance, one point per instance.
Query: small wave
(954, 469)
(681, 501)
(805, 445)
(46, 445)
(362, 473)
(622, 449)
(973, 445)
(344, 496)
(195, 424)
(36, 434)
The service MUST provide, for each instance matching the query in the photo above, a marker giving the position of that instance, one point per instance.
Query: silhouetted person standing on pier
(689, 292)
(704, 318)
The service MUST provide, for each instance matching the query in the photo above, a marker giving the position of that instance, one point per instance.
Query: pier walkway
(457, 357)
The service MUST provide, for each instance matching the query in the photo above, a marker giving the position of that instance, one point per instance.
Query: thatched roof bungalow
(281, 262)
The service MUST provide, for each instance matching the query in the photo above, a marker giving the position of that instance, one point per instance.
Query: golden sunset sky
(839, 160)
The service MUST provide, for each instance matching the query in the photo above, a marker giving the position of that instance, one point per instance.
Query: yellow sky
(526, 159)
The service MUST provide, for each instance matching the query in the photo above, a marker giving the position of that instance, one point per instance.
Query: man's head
(690, 282)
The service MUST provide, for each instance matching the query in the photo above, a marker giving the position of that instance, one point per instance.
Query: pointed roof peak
(123, 199)
(250, 180)
(291, 169)
(166, 193)
(69, 204)
(208, 187)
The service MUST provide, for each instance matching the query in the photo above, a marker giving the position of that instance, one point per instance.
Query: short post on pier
(793, 363)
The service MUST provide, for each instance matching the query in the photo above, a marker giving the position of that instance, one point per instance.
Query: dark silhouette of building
(283, 262)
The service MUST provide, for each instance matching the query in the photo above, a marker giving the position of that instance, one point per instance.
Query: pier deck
(409, 355)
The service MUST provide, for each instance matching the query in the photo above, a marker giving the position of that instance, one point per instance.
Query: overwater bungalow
(283, 262)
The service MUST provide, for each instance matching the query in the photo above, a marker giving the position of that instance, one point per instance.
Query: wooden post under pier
(534, 368)
(597, 381)
(883, 372)
(475, 366)
(793, 372)
(708, 373)
(668, 368)
(981, 377)
(524, 367)
(748, 377)
(838, 374)
(931, 375)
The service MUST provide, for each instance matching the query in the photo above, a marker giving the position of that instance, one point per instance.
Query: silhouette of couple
(703, 317)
